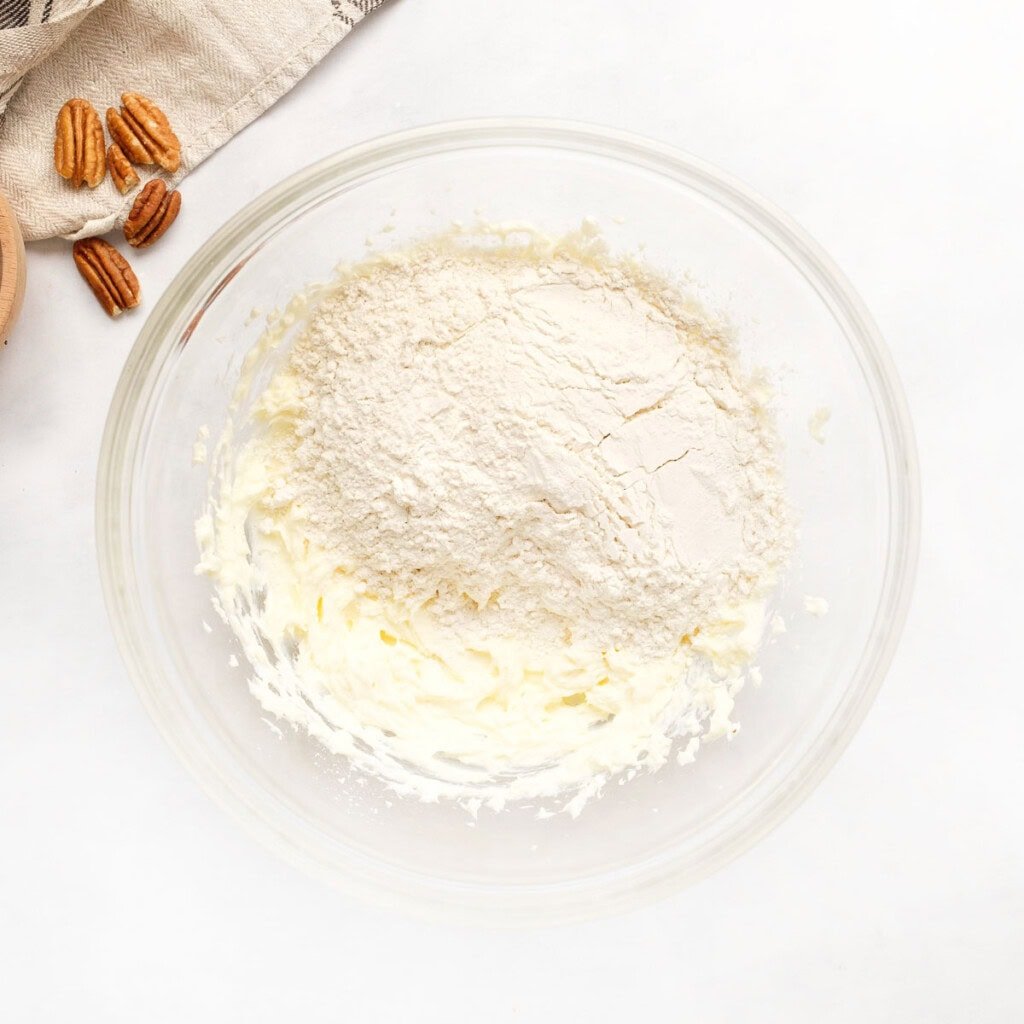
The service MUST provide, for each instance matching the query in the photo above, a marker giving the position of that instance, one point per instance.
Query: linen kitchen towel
(211, 65)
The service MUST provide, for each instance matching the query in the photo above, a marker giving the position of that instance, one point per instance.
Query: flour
(530, 449)
(499, 497)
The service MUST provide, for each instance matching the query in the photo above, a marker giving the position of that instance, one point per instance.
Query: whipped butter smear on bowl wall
(501, 520)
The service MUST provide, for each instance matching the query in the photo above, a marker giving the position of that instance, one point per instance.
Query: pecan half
(78, 145)
(152, 213)
(124, 176)
(143, 132)
(108, 274)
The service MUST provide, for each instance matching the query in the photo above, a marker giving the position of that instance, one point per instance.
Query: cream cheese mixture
(503, 522)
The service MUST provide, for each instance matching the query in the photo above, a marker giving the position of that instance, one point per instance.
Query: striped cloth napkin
(211, 65)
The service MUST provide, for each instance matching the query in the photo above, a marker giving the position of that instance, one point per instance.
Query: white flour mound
(500, 497)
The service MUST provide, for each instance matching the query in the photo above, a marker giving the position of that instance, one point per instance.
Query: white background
(892, 132)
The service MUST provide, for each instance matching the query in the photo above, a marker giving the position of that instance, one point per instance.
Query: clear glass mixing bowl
(857, 497)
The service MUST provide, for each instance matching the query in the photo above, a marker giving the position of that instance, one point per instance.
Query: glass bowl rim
(211, 267)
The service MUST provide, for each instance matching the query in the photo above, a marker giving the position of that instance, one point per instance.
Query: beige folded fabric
(211, 65)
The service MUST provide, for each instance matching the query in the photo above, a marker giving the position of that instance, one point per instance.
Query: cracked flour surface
(509, 521)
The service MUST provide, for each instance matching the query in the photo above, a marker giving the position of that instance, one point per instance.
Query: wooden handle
(12, 269)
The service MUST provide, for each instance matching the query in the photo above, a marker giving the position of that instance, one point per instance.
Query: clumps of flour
(542, 476)
(532, 448)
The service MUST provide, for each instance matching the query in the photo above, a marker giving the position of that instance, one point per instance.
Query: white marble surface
(896, 893)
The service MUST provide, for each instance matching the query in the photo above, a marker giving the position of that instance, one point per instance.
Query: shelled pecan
(108, 274)
(152, 213)
(78, 148)
(124, 176)
(143, 132)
